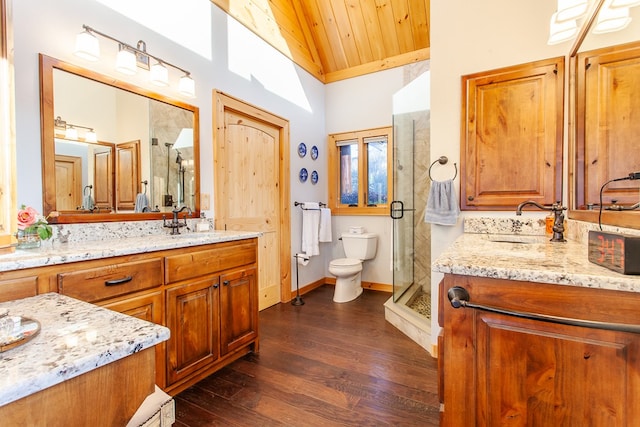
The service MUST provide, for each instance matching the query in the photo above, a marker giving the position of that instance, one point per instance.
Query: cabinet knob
(226, 283)
(216, 285)
(470, 198)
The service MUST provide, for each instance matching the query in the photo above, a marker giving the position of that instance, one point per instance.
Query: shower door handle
(393, 211)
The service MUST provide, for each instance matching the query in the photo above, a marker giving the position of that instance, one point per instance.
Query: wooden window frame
(333, 150)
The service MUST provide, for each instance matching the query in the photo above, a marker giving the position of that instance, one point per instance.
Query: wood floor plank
(321, 364)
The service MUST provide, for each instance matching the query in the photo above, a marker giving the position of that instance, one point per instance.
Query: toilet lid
(345, 262)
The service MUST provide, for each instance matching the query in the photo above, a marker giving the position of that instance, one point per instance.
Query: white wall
(469, 37)
(219, 53)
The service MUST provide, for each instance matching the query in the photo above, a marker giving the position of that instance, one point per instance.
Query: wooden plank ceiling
(339, 39)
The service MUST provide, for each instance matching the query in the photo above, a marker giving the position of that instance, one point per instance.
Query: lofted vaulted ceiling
(339, 39)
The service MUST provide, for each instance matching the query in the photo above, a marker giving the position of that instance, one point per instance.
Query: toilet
(348, 271)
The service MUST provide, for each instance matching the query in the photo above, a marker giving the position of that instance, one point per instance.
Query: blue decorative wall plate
(314, 177)
(302, 149)
(303, 175)
(314, 152)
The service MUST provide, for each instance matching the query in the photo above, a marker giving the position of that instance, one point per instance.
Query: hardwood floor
(321, 364)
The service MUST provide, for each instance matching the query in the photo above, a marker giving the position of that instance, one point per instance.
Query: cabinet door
(507, 370)
(511, 148)
(192, 316)
(608, 104)
(238, 309)
(147, 307)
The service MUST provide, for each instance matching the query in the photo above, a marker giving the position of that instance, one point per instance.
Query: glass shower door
(402, 207)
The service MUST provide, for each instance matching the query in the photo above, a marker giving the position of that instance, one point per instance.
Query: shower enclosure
(411, 235)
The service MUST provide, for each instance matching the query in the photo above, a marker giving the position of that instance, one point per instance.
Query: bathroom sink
(192, 235)
(511, 238)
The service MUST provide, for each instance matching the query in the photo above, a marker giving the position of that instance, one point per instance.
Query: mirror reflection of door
(68, 182)
(103, 178)
(127, 174)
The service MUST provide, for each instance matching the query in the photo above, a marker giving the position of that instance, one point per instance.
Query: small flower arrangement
(30, 221)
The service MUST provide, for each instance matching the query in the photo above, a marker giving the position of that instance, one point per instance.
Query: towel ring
(145, 182)
(84, 190)
(443, 161)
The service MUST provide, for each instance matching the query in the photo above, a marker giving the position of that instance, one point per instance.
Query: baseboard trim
(372, 286)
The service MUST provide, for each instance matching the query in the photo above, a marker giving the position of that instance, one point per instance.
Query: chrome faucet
(558, 217)
(175, 223)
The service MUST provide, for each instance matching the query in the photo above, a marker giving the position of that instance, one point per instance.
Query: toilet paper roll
(303, 259)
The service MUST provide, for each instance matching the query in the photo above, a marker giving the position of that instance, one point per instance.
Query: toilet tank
(360, 246)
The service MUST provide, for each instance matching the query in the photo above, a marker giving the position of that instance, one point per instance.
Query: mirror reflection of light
(250, 57)
(186, 22)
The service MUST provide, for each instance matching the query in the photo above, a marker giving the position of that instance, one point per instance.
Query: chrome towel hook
(443, 161)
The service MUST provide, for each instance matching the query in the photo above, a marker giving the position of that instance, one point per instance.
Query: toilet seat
(345, 262)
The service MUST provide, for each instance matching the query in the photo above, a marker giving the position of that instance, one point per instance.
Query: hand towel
(310, 228)
(442, 204)
(325, 225)
(142, 202)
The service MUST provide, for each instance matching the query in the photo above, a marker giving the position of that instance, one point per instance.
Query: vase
(27, 239)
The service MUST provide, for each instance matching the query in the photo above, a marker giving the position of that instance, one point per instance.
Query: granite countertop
(537, 260)
(60, 253)
(75, 338)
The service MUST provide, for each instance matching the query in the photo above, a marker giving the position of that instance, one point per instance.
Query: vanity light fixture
(130, 58)
(571, 9)
(611, 19)
(87, 46)
(126, 61)
(71, 130)
(612, 16)
(561, 31)
(624, 3)
(159, 74)
(71, 133)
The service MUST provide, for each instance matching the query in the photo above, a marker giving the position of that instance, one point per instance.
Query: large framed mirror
(604, 105)
(112, 151)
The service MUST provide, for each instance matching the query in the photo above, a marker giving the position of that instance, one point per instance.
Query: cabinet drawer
(209, 261)
(11, 289)
(95, 284)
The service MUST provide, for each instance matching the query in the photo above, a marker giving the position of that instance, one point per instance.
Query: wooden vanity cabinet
(212, 310)
(500, 369)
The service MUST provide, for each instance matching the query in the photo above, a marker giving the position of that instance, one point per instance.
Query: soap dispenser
(203, 224)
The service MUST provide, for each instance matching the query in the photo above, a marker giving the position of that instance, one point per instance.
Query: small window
(359, 172)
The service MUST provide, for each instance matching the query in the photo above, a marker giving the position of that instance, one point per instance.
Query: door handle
(459, 297)
(393, 211)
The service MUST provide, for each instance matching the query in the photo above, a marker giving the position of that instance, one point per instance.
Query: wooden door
(608, 104)
(193, 317)
(511, 148)
(238, 313)
(68, 182)
(103, 179)
(251, 163)
(127, 175)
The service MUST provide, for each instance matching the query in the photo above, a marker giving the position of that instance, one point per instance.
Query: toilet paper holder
(305, 260)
